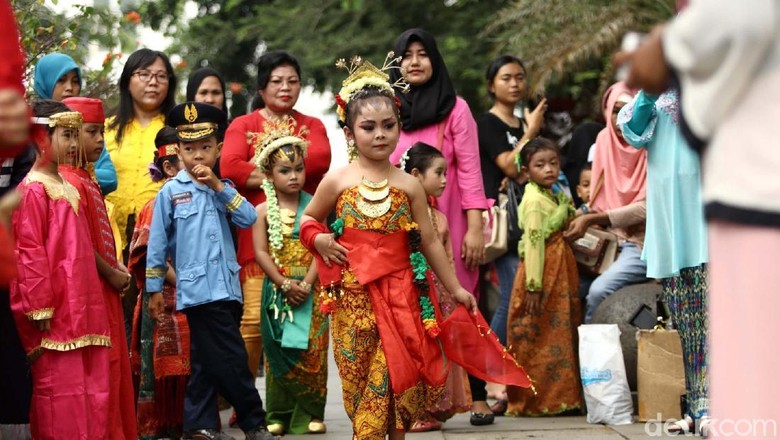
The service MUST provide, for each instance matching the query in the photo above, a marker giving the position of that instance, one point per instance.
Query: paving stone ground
(458, 428)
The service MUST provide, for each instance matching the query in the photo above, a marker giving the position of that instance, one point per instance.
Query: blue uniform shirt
(190, 225)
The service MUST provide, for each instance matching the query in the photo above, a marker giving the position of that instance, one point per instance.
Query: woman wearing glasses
(147, 89)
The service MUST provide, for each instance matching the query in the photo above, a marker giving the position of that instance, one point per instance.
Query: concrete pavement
(458, 428)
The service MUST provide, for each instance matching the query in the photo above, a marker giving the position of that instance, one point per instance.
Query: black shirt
(495, 137)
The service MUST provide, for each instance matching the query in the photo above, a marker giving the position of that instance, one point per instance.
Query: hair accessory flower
(276, 134)
(362, 75)
(404, 159)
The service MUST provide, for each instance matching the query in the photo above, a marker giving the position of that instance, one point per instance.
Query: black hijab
(197, 77)
(433, 101)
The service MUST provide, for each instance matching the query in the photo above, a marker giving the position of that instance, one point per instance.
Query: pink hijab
(619, 170)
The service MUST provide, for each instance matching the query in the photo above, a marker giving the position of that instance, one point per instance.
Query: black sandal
(479, 419)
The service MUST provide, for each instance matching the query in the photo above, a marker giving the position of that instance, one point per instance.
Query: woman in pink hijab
(617, 201)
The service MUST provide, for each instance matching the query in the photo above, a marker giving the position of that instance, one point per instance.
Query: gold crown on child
(363, 74)
(276, 134)
(67, 119)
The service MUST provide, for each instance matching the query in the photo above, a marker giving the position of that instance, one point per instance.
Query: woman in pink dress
(431, 112)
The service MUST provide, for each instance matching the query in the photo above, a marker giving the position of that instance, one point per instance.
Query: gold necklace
(288, 220)
(373, 197)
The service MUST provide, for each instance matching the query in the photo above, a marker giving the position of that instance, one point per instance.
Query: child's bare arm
(322, 204)
(324, 200)
(311, 275)
(119, 280)
(432, 247)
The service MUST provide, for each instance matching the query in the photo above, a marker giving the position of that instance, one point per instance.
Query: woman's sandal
(426, 425)
(683, 426)
(499, 408)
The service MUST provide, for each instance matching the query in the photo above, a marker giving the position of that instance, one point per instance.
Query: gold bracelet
(305, 286)
(286, 285)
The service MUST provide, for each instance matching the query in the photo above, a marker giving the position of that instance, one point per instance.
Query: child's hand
(330, 250)
(206, 176)
(156, 305)
(297, 294)
(532, 305)
(119, 279)
(463, 296)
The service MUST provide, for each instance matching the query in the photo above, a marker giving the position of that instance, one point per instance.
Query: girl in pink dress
(429, 166)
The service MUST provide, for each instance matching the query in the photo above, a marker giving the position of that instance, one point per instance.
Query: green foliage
(45, 31)
(229, 34)
(560, 39)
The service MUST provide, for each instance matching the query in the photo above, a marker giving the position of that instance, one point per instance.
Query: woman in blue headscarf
(58, 77)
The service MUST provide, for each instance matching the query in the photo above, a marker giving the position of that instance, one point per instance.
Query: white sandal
(683, 426)
(704, 426)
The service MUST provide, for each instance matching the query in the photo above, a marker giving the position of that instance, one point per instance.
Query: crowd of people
(155, 260)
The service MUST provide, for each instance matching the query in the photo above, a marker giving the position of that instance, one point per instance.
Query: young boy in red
(114, 278)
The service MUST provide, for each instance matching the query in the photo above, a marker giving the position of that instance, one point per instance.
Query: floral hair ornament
(404, 159)
(62, 119)
(276, 134)
(363, 75)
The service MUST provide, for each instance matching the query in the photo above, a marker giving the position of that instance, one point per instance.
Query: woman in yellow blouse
(544, 310)
(147, 90)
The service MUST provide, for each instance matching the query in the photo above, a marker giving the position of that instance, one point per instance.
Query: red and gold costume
(58, 280)
(121, 394)
(160, 351)
(236, 164)
(390, 368)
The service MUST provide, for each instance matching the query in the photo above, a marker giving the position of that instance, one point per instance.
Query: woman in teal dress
(676, 235)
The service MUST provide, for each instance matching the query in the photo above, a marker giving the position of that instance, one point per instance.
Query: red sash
(381, 264)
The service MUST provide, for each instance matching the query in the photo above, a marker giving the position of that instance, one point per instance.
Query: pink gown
(465, 190)
(58, 279)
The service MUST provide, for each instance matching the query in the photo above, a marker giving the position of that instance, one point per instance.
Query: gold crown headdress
(276, 134)
(62, 119)
(362, 75)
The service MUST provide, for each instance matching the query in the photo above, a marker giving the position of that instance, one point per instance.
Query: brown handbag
(595, 251)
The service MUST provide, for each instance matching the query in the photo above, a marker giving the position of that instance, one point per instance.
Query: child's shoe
(259, 433)
(205, 434)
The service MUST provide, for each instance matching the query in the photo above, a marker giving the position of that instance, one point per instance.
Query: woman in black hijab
(428, 101)
(207, 85)
(431, 112)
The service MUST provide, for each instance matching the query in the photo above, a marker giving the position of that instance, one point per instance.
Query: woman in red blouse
(278, 85)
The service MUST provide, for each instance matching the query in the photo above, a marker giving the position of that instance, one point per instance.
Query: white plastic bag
(603, 375)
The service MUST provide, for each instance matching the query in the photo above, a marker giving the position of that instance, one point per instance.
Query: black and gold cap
(194, 121)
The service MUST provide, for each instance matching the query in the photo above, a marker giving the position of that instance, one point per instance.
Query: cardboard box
(660, 375)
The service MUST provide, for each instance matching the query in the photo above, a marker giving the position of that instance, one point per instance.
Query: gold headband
(276, 134)
(63, 119)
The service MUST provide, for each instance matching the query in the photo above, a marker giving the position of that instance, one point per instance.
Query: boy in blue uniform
(189, 225)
